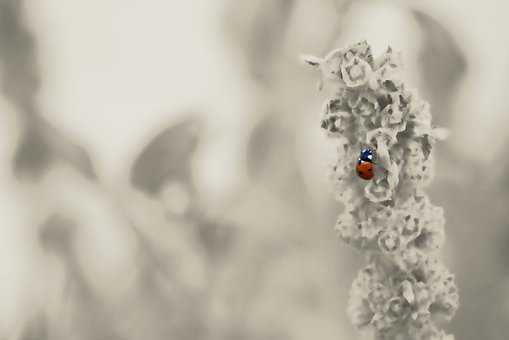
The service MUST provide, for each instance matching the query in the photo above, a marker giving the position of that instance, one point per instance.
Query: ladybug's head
(367, 155)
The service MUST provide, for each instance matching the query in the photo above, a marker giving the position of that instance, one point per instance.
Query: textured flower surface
(404, 291)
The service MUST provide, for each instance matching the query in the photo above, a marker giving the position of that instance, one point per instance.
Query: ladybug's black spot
(370, 169)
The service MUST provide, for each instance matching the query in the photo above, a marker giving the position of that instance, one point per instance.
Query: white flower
(366, 105)
(378, 190)
(389, 241)
(355, 72)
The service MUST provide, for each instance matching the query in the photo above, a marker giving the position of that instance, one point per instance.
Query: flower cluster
(392, 230)
(404, 290)
(392, 300)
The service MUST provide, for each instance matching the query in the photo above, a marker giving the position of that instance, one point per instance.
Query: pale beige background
(163, 174)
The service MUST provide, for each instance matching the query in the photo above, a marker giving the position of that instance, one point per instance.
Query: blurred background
(163, 174)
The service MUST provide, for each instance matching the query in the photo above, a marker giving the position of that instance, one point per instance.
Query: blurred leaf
(262, 41)
(271, 159)
(56, 234)
(217, 238)
(88, 315)
(167, 157)
(18, 54)
(33, 154)
(443, 65)
(43, 144)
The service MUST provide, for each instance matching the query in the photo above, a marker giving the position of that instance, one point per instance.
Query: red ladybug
(365, 170)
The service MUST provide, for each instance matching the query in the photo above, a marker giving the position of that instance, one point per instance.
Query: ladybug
(365, 164)
(365, 170)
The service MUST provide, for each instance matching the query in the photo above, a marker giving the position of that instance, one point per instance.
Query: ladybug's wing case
(365, 170)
